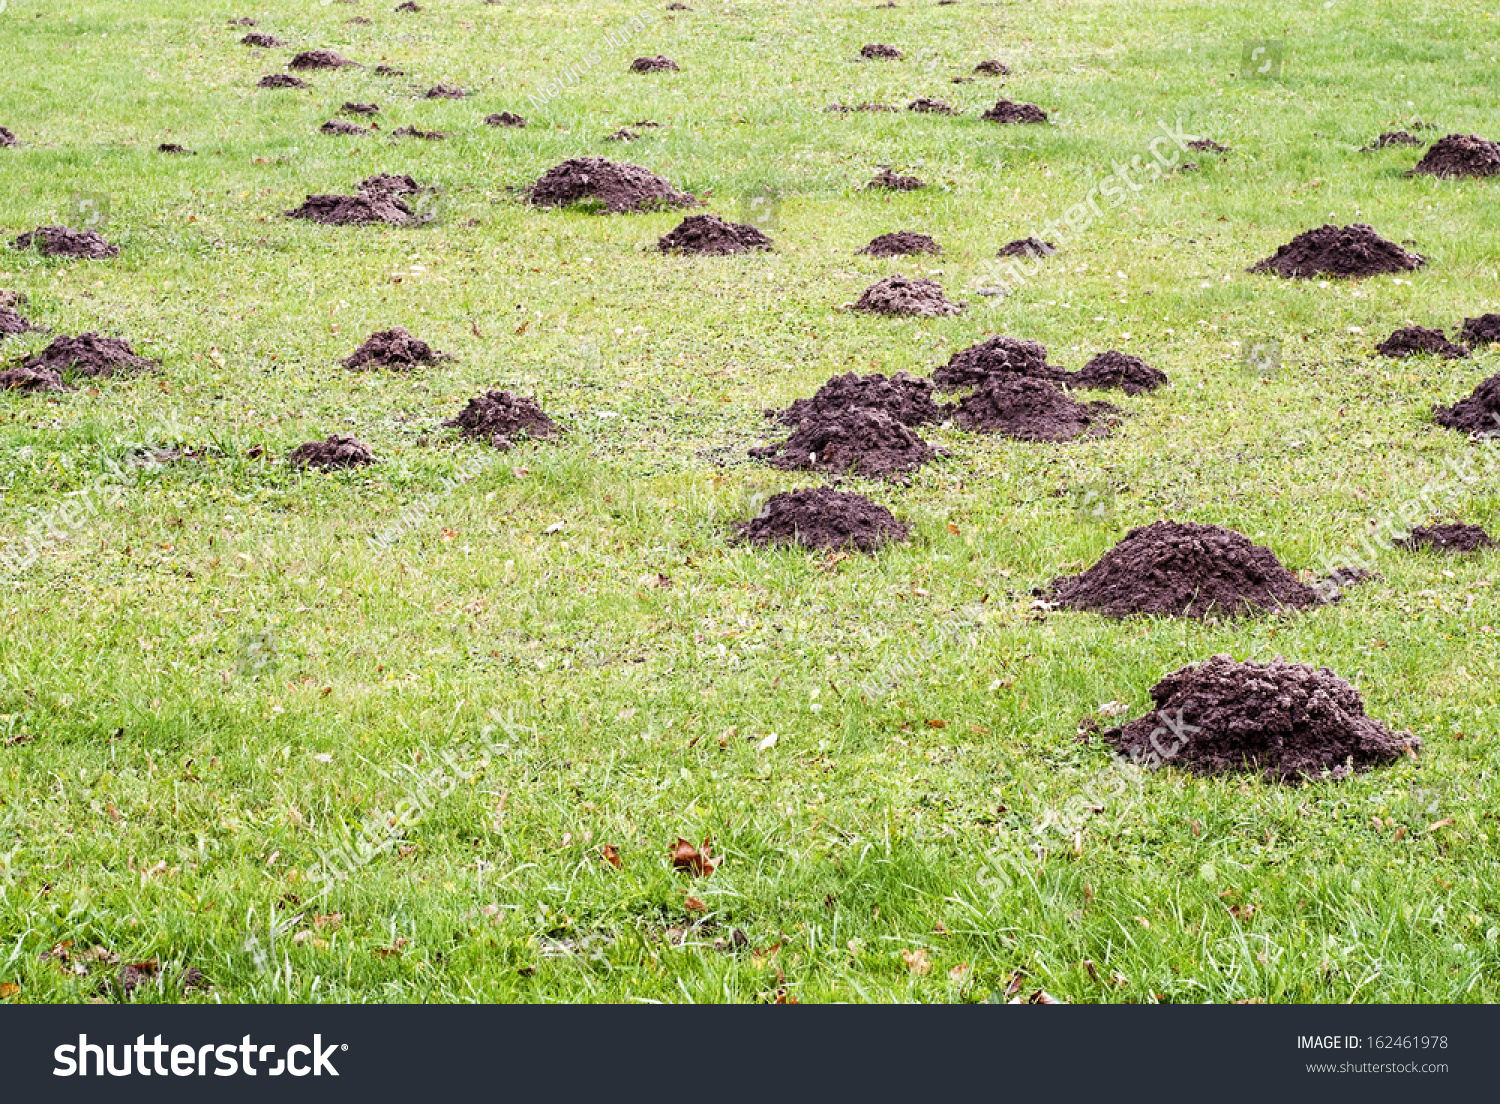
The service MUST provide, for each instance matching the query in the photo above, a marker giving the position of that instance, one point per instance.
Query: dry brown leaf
(917, 962)
(1041, 996)
(612, 856)
(692, 904)
(687, 857)
(1093, 972)
(1446, 822)
(8, 989)
(959, 972)
(1013, 986)
(333, 921)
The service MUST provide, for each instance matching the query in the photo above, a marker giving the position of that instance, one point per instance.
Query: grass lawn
(220, 674)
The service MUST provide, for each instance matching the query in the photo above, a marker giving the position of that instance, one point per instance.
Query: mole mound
(903, 397)
(1344, 251)
(902, 243)
(887, 179)
(391, 183)
(933, 107)
(1034, 248)
(879, 51)
(444, 92)
(172, 147)
(356, 210)
(1005, 111)
(352, 108)
(320, 59)
(1287, 721)
(90, 354)
(899, 295)
(394, 348)
(388, 71)
(1412, 340)
(31, 379)
(1392, 138)
(861, 441)
(709, 234)
(11, 321)
(1113, 370)
(7, 138)
(1181, 569)
(1207, 145)
(59, 241)
(1479, 413)
(1460, 155)
(992, 68)
(504, 119)
(264, 41)
(1453, 538)
(820, 518)
(417, 132)
(408, 6)
(622, 135)
(336, 452)
(997, 356)
(616, 187)
(281, 80)
(1482, 330)
(657, 64)
(499, 416)
(342, 126)
(1030, 410)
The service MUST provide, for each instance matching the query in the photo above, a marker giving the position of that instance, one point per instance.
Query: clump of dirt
(1027, 247)
(1411, 340)
(504, 119)
(1181, 569)
(59, 241)
(31, 379)
(1460, 155)
(356, 210)
(11, 321)
(337, 451)
(1392, 138)
(900, 295)
(1478, 414)
(388, 71)
(933, 107)
(879, 51)
(994, 358)
(622, 135)
(1030, 410)
(408, 6)
(7, 138)
(1112, 369)
(616, 187)
(1483, 330)
(397, 183)
(281, 80)
(352, 108)
(885, 178)
(709, 234)
(262, 40)
(822, 518)
(394, 348)
(172, 147)
(1454, 538)
(342, 126)
(1005, 111)
(1286, 721)
(417, 132)
(903, 243)
(657, 64)
(1207, 145)
(992, 69)
(859, 441)
(677, 6)
(320, 59)
(903, 397)
(92, 355)
(360, 20)
(242, 21)
(499, 417)
(444, 92)
(1349, 251)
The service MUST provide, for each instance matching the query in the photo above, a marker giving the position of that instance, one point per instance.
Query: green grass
(635, 712)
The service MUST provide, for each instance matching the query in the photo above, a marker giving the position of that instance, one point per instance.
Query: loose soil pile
(1460, 155)
(1027, 247)
(996, 357)
(499, 417)
(1344, 251)
(879, 51)
(356, 210)
(896, 183)
(91, 355)
(11, 321)
(1284, 720)
(1030, 410)
(397, 183)
(6, 137)
(172, 147)
(504, 119)
(1005, 111)
(1453, 538)
(1207, 145)
(320, 59)
(31, 379)
(336, 452)
(933, 107)
(903, 243)
(993, 69)
(657, 64)
(444, 92)
(59, 241)
(820, 518)
(417, 132)
(711, 235)
(622, 135)
(1392, 138)
(899, 295)
(1479, 413)
(281, 80)
(395, 348)
(1181, 569)
(1113, 370)
(388, 71)
(1482, 330)
(861, 441)
(408, 6)
(903, 397)
(618, 187)
(342, 126)
(1411, 340)
(352, 108)
(264, 41)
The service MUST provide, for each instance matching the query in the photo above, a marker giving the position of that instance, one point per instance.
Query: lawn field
(523, 676)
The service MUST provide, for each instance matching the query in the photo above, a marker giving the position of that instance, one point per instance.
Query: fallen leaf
(687, 857)
(302, 937)
(940, 928)
(612, 856)
(1252, 1000)
(1013, 986)
(1446, 822)
(917, 962)
(1143, 922)
(1242, 912)
(1400, 832)
(692, 904)
(1093, 972)
(953, 529)
(959, 972)
(333, 921)
(8, 989)
(937, 724)
(1041, 996)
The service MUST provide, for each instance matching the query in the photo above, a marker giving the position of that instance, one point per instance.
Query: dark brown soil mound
(395, 183)
(1207, 145)
(504, 119)
(1030, 410)
(59, 241)
(993, 68)
(887, 179)
(336, 452)
(1343, 251)
(903, 397)
(821, 517)
(11, 322)
(342, 126)
(996, 357)
(709, 234)
(1411, 340)
(408, 6)
(1453, 538)
(444, 92)
(861, 441)
(1392, 138)
(1479, 413)
(879, 51)
(352, 108)
(902, 243)
(1027, 247)
(1460, 155)
(1180, 569)
(320, 59)
(933, 107)
(1113, 370)
(899, 295)
(388, 71)
(261, 39)
(281, 80)
(615, 186)
(1005, 111)
(172, 147)
(657, 64)
(395, 348)
(1483, 330)
(1286, 721)
(7, 138)
(418, 132)
(31, 379)
(356, 210)
(499, 417)
(90, 354)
